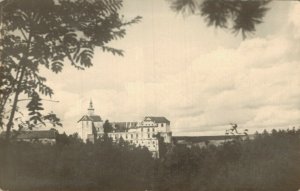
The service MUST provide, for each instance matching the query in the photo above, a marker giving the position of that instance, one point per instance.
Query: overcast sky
(200, 78)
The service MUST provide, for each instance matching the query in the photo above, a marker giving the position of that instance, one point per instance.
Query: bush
(75, 166)
(269, 162)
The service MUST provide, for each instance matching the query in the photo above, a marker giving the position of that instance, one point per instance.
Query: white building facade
(144, 133)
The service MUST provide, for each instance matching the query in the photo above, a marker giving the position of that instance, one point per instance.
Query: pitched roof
(158, 119)
(47, 134)
(122, 126)
(94, 118)
(196, 139)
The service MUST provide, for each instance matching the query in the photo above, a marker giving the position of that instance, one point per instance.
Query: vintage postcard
(149, 95)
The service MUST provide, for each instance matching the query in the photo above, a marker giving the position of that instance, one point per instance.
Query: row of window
(152, 124)
(145, 143)
(131, 136)
(149, 144)
(148, 129)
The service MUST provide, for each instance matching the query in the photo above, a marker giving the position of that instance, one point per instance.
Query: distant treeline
(271, 161)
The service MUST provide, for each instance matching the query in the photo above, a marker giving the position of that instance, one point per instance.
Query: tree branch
(24, 34)
(69, 56)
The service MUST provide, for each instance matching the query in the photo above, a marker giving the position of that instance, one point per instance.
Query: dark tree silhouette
(49, 33)
(238, 16)
(107, 127)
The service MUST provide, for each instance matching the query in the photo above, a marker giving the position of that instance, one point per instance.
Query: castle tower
(91, 124)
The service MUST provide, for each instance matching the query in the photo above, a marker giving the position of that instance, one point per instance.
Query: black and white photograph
(149, 95)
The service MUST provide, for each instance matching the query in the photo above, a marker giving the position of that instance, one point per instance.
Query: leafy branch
(238, 16)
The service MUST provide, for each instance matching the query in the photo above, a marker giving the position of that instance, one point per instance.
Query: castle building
(144, 133)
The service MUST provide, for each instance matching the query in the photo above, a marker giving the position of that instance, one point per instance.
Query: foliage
(163, 147)
(268, 162)
(49, 33)
(64, 139)
(74, 165)
(51, 119)
(107, 127)
(238, 15)
(34, 106)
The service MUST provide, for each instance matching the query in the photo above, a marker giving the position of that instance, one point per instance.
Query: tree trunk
(5, 98)
(14, 107)
(23, 63)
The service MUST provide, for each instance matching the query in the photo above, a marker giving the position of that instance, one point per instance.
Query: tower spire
(91, 103)
(91, 108)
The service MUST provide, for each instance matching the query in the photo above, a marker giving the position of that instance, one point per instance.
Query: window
(131, 136)
(162, 124)
(126, 136)
(153, 129)
(148, 129)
